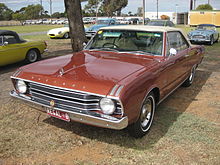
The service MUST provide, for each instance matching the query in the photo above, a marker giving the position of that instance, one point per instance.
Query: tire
(144, 122)
(33, 55)
(190, 79)
(211, 41)
(66, 35)
(217, 39)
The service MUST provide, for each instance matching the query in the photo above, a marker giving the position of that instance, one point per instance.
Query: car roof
(142, 28)
(4, 32)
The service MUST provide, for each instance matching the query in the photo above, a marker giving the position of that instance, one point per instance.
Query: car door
(176, 63)
(11, 50)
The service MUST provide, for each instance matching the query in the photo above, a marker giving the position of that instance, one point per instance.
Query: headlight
(59, 32)
(21, 86)
(107, 106)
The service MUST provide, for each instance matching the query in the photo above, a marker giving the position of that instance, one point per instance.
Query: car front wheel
(33, 55)
(144, 122)
(66, 35)
(211, 41)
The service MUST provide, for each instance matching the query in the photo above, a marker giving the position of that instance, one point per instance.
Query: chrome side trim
(171, 91)
(119, 90)
(114, 89)
(117, 124)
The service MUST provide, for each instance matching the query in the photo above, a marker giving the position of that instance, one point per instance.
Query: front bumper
(98, 121)
(199, 40)
(52, 35)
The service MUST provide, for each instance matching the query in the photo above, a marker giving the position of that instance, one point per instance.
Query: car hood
(90, 71)
(201, 32)
(56, 30)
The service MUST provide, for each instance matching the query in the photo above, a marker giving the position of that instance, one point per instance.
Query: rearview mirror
(173, 52)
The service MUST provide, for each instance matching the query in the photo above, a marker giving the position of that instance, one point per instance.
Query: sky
(164, 5)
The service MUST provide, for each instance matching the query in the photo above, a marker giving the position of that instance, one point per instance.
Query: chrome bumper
(78, 117)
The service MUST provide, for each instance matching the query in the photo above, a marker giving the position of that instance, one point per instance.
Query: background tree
(90, 8)
(5, 12)
(112, 6)
(140, 11)
(204, 7)
(77, 32)
(165, 17)
(33, 11)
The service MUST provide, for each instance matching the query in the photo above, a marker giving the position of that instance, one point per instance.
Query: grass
(30, 28)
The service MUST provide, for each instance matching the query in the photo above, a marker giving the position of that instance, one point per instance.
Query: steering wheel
(111, 45)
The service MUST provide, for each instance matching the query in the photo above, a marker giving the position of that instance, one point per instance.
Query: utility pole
(51, 7)
(157, 8)
(209, 2)
(144, 12)
(194, 4)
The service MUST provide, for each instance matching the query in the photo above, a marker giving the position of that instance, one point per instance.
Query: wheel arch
(37, 50)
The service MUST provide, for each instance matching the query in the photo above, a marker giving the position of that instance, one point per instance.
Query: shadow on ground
(165, 116)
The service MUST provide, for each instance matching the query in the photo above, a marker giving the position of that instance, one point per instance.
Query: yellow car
(62, 32)
(14, 49)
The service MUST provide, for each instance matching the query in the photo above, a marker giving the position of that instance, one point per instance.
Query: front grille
(52, 34)
(67, 99)
(199, 36)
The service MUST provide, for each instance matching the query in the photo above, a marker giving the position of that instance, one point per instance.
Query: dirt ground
(186, 129)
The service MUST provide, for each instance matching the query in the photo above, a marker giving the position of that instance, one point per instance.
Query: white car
(59, 33)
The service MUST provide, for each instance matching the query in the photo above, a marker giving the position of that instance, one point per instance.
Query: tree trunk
(77, 32)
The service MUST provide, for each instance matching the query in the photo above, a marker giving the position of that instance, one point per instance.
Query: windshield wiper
(105, 49)
(141, 52)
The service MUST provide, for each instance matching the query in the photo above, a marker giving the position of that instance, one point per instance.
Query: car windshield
(142, 42)
(156, 23)
(102, 22)
(202, 27)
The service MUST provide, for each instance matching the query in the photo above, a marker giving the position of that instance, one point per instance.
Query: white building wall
(153, 15)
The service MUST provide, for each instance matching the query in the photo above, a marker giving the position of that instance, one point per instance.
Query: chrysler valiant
(117, 81)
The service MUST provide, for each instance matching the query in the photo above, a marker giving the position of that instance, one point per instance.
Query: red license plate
(58, 114)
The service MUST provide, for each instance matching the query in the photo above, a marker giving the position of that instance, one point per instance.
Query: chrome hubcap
(146, 113)
(192, 75)
(32, 56)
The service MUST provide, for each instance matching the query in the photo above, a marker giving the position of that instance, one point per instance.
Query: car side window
(10, 39)
(176, 41)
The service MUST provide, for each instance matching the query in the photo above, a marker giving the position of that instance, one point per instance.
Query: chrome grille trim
(53, 88)
(65, 96)
(119, 105)
(61, 99)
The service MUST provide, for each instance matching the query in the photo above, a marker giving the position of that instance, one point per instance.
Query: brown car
(117, 81)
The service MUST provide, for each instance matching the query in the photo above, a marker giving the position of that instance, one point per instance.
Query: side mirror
(173, 52)
(5, 43)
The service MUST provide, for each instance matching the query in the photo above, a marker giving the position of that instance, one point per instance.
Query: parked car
(91, 31)
(14, 49)
(60, 22)
(117, 81)
(204, 33)
(160, 22)
(62, 32)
